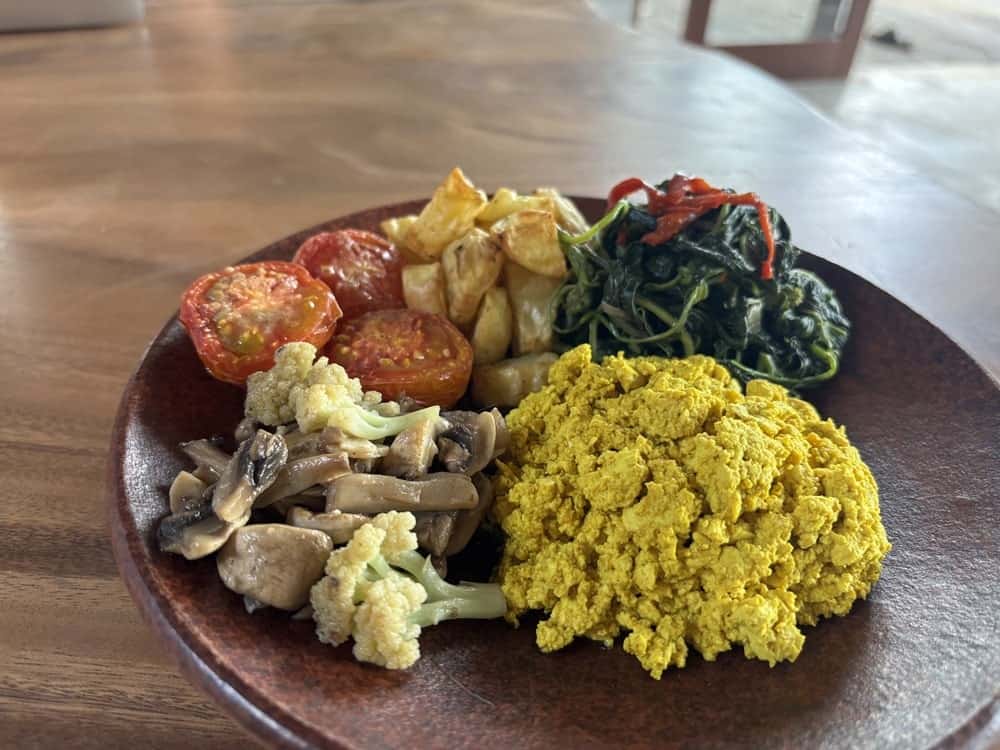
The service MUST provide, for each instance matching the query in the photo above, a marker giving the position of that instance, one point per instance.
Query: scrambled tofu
(649, 497)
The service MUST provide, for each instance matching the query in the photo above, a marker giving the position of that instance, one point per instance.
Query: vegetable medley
(380, 372)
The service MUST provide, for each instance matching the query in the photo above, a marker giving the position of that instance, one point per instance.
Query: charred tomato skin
(238, 317)
(405, 353)
(364, 270)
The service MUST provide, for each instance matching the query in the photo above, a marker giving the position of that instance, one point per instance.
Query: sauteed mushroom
(274, 564)
(412, 450)
(251, 470)
(434, 530)
(207, 456)
(338, 526)
(197, 532)
(299, 475)
(467, 521)
(467, 445)
(245, 429)
(503, 434)
(375, 493)
(187, 492)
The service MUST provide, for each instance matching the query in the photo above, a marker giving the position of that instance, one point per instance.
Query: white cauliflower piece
(269, 392)
(384, 633)
(364, 597)
(399, 535)
(332, 597)
(320, 394)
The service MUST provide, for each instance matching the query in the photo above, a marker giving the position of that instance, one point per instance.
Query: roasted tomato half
(363, 270)
(405, 353)
(238, 316)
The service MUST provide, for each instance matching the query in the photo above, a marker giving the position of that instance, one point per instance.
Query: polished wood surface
(134, 159)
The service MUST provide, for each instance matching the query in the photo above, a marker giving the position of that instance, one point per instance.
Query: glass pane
(775, 21)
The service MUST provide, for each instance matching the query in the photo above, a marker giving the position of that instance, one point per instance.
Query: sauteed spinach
(701, 292)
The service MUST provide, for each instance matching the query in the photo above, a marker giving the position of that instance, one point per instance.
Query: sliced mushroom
(335, 439)
(502, 442)
(309, 501)
(467, 445)
(413, 449)
(301, 444)
(434, 530)
(245, 429)
(273, 563)
(196, 533)
(208, 456)
(375, 493)
(186, 492)
(467, 521)
(363, 465)
(301, 474)
(251, 470)
(206, 474)
(340, 527)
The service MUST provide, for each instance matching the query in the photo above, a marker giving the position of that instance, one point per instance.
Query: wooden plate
(918, 664)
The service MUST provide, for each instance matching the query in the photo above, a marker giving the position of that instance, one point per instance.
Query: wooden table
(134, 159)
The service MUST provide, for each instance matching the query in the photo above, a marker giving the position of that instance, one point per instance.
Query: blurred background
(923, 85)
(918, 78)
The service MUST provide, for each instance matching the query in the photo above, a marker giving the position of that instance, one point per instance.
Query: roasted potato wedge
(450, 214)
(494, 328)
(506, 202)
(506, 383)
(423, 288)
(568, 216)
(530, 301)
(395, 229)
(471, 265)
(529, 238)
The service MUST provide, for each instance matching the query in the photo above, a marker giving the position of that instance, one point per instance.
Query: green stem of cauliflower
(445, 601)
(361, 422)
(381, 592)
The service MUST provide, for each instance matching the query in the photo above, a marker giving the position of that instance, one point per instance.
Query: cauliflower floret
(321, 394)
(399, 535)
(332, 597)
(268, 391)
(384, 633)
(363, 596)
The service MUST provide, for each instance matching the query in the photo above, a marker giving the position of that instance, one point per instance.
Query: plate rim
(270, 722)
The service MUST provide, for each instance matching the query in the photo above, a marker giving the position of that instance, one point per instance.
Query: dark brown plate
(916, 665)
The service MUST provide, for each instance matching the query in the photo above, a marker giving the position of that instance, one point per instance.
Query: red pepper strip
(685, 200)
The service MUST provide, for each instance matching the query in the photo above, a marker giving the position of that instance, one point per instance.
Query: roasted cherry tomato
(238, 316)
(405, 352)
(363, 269)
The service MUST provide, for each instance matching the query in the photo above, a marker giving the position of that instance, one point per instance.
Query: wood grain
(135, 158)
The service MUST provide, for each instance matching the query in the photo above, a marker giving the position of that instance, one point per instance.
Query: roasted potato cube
(529, 238)
(506, 383)
(506, 202)
(472, 265)
(568, 216)
(530, 302)
(494, 328)
(395, 229)
(423, 288)
(450, 214)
